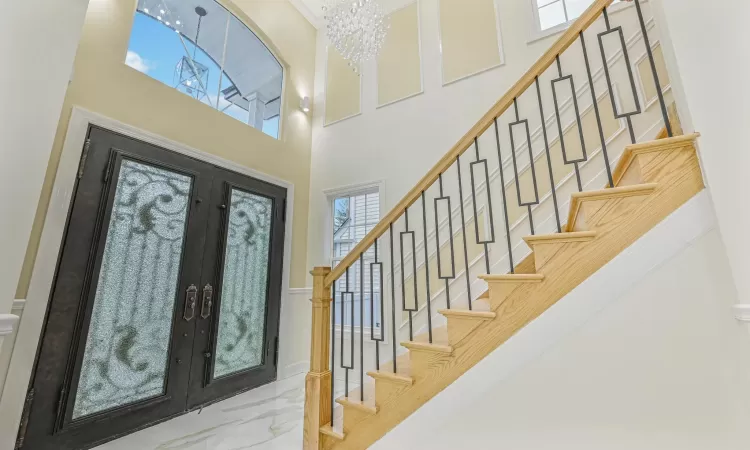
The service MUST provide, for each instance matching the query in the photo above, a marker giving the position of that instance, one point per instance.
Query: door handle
(191, 298)
(208, 296)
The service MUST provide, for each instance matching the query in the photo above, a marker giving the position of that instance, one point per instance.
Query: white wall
(38, 43)
(662, 365)
(400, 142)
(708, 43)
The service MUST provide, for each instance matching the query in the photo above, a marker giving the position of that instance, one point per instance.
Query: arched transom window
(204, 51)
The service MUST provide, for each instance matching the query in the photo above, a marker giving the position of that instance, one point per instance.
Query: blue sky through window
(156, 50)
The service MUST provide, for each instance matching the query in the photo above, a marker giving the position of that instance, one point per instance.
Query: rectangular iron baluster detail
(393, 298)
(452, 275)
(333, 349)
(361, 327)
(505, 198)
(350, 366)
(596, 111)
(379, 339)
(651, 61)
(463, 229)
(427, 267)
(547, 152)
(607, 75)
(574, 97)
(414, 274)
(491, 239)
(528, 205)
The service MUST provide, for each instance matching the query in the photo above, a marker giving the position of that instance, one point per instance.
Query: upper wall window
(557, 13)
(204, 51)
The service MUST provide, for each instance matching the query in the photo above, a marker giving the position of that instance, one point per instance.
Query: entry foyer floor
(266, 418)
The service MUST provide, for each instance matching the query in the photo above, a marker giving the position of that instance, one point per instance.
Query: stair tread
(354, 399)
(663, 144)
(393, 377)
(483, 315)
(336, 432)
(577, 198)
(514, 277)
(570, 236)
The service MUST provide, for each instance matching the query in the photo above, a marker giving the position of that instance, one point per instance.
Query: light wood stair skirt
(645, 183)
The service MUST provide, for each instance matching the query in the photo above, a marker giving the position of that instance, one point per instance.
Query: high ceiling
(311, 9)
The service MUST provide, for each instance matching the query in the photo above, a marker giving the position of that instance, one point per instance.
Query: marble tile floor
(266, 418)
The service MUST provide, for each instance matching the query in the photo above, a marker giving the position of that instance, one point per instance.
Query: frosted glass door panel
(127, 346)
(244, 289)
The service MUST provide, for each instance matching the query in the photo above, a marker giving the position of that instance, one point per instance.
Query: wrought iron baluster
(650, 53)
(525, 123)
(350, 366)
(333, 349)
(491, 239)
(607, 75)
(361, 327)
(596, 111)
(584, 157)
(427, 267)
(463, 229)
(447, 278)
(379, 339)
(546, 149)
(505, 199)
(393, 299)
(414, 274)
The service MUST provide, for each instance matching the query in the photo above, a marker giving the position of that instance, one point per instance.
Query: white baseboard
(293, 369)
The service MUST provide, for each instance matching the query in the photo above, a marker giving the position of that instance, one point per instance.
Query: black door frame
(51, 402)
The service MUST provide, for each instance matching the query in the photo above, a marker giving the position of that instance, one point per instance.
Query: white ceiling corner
(312, 10)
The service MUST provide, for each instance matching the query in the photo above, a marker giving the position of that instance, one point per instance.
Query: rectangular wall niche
(399, 62)
(469, 38)
(343, 89)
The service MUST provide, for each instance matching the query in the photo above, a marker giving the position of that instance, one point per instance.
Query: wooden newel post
(318, 380)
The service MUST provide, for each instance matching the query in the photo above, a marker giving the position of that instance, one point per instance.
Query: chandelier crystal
(356, 28)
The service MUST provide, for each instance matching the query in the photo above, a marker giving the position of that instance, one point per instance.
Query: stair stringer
(625, 221)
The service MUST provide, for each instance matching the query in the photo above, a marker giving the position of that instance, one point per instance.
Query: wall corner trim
(742, 312)
(7, 323)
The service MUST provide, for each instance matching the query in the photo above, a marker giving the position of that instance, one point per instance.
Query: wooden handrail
(565, 41)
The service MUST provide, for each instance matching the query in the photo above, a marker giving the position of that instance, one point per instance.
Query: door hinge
(276, 352)
(84, 155)
(24, 418)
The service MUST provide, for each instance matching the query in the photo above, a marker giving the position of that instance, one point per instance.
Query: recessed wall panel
(399, 62)
(342, 89)
(469, 37)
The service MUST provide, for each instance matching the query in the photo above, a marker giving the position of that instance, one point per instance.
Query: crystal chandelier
(356, 28)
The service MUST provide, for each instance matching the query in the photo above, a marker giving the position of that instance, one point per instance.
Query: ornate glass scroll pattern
(242, 319)
(125, 358)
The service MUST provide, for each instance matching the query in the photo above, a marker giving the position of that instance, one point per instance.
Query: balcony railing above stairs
(393, 241)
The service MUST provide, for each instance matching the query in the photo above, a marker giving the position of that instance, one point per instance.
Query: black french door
(166, 296)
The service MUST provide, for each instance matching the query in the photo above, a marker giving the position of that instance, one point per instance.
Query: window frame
(536, 25)
(242, 18)
(348, 191)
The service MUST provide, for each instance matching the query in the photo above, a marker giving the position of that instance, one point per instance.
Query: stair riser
(422, 362)
(385, 390)
(594, 215)
(460, 327)
(546, 252)
(654, 166)
(499, 292)
(353, 416)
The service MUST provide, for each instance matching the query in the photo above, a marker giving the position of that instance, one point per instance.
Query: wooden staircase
(652, 180)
